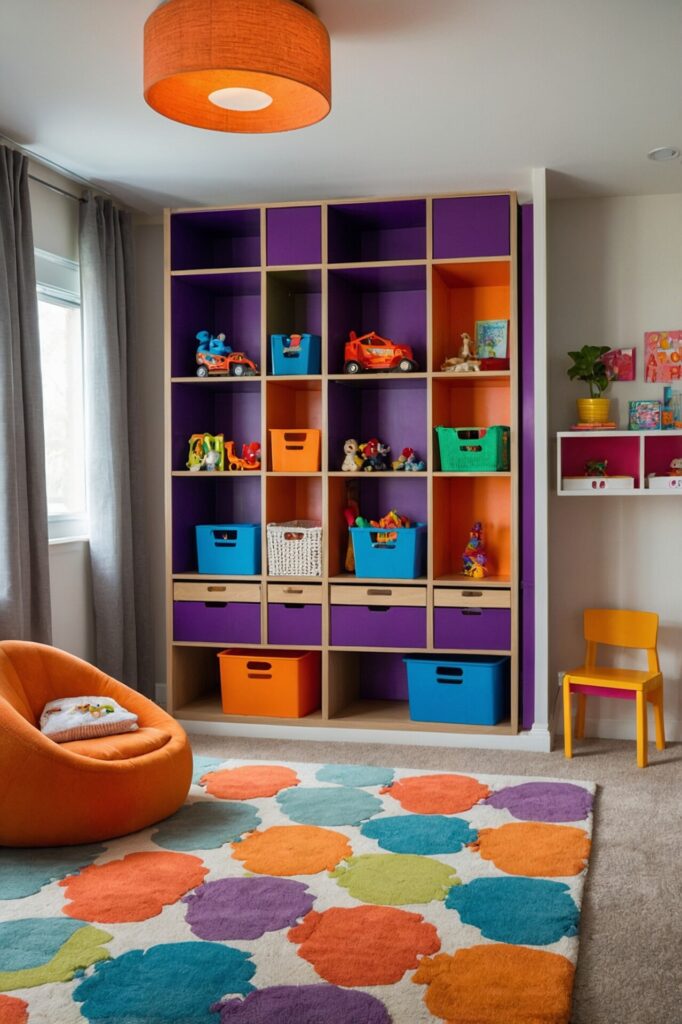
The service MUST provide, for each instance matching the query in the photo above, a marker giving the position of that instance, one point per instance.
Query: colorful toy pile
(210, 451)
(373, 456)
(474, 557)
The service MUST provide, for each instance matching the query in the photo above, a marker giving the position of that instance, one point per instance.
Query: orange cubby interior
(341, 490)
(470, 401)
(290, 497)
(462, 294)
(457, 505)
(293, 405)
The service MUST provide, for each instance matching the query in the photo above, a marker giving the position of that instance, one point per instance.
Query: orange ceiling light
(237, 65)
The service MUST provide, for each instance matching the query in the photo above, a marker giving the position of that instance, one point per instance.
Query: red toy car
(374, 353)
(236, 364)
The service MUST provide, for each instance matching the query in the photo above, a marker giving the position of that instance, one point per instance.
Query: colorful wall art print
(491, 339)
(620, 363)
(663, 356)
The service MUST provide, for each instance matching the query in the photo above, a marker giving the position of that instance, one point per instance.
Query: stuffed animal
(251, 453)
(676, 467)
(352, 460)
(375, 454)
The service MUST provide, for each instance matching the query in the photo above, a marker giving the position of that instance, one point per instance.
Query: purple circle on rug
(304, 1004)
(544, 801)
(246, 908)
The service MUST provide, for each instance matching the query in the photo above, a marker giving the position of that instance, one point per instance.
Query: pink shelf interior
(660, 450)
(622, 454)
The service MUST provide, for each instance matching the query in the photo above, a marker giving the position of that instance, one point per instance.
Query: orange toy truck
(235, 364)
(370, 352)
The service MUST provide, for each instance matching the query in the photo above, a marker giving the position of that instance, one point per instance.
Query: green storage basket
(473, 449)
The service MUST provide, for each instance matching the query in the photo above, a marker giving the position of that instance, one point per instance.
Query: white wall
(615, 271)
(73, 626)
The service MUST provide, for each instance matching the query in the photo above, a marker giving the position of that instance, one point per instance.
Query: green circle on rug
(395, 879)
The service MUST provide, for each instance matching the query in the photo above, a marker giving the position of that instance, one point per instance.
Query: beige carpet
(630, 961)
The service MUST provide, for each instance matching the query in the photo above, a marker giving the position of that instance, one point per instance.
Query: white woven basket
(295, 548)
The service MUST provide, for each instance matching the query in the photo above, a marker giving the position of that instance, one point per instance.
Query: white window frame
(58, 282)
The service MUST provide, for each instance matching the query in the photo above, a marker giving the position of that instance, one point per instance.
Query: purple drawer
(295, 624)
(472, 629)
(470, 226)
(377, 626)
(228, 622)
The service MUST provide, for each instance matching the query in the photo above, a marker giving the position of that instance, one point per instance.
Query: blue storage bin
(468, 690)
(229, 549)
(302, 358)
(401, 559)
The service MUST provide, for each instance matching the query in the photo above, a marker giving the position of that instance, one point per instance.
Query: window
(61, 353)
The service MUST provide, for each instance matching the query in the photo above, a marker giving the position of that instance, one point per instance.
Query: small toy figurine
(215, 357)
(371, 352)
(596, 467)
(250, 456)
(207, 452)
(474, 557)
(408, 461)
(675, 468)
(375, 454)
(466, 361)
(352, 459)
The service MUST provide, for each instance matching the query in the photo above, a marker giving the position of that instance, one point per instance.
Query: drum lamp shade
(237, 65)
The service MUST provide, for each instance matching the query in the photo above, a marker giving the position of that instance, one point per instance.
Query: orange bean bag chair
(61, 794)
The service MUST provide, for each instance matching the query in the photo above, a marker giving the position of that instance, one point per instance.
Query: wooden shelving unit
(420, 271)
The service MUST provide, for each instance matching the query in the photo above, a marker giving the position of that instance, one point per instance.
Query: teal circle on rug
(202, 766)
(355, 775)
(33, 941)
(325, 806)
(207, 825)
(521, 911)
(25, 872)
(420, 833)
(176, 983)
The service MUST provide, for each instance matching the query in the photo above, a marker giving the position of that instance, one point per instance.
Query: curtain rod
(56, 188)
(51, 165)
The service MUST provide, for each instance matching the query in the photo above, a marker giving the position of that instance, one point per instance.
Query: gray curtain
(119, 570)
(24, 553)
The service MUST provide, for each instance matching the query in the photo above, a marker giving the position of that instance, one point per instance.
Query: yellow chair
(617, 629)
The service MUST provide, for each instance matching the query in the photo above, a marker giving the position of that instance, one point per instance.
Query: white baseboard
(537, 740)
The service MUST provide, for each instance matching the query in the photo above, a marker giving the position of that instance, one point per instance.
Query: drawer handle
(216, 590)
(215, 604)
(259, 666)
(377, 608)
(293, 590)
(449, 674)
(379, 592)
(471, 611)
(472, 593)
(288, 604)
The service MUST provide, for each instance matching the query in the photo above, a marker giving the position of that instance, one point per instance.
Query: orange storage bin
(295, 451)
(276, 684)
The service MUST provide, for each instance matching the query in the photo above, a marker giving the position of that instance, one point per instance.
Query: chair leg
(568, 745)
(658, 718)
(580, 716)
(641, 712)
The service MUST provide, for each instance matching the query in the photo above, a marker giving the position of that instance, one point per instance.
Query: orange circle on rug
(132, 889)
(364, 945)
(535, 848)
(249, 781)
(489, 984)
(292, 850)
(437, 794)
(13, 1011)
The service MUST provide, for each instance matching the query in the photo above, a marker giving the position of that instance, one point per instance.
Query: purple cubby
(392, 410)
(215, 239)
(294, 304)
(388, 300)
(377, 626)
(660, 450)
(299, 624)
(214, 406)
(472, 629)
(382, 677)
(206, 498)
(293, 235)
(219, 303)
(218, 622)
(373, 231)
(621, 453)
(470, 226)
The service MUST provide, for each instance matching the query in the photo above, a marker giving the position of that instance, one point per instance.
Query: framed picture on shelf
(620, 363)
(492, 337)
(662, 356)
(645, 415)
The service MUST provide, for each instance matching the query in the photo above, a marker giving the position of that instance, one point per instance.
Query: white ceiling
(428, 96)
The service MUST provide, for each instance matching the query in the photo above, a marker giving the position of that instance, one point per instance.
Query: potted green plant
(588, 366)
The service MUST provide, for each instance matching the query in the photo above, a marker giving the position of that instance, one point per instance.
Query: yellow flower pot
(593, 410)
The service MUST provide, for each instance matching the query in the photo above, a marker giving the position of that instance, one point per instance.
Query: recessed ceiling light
(663, 153)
